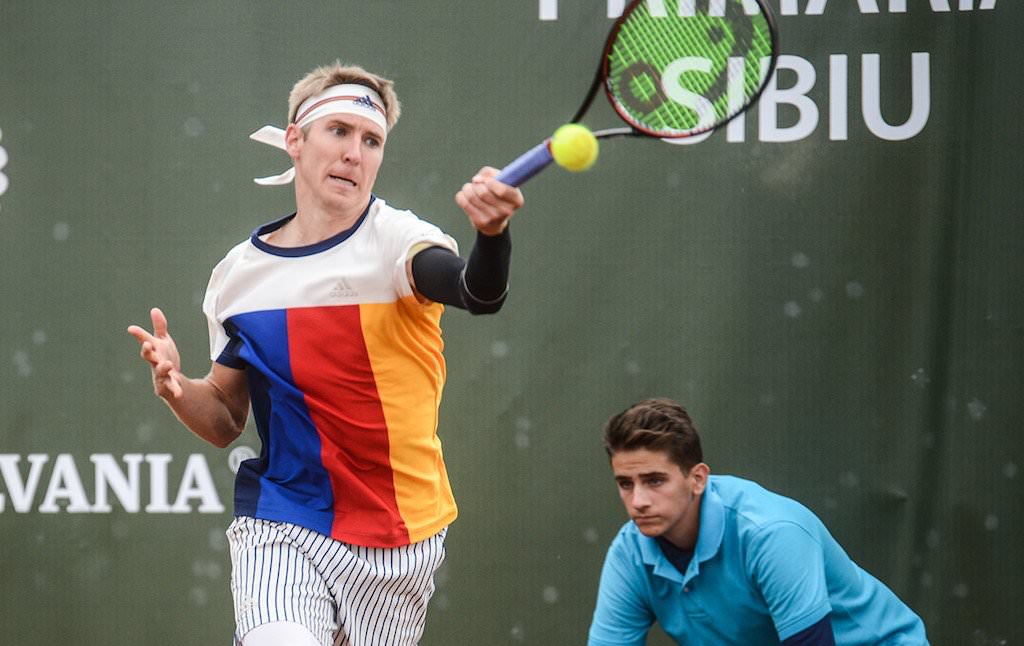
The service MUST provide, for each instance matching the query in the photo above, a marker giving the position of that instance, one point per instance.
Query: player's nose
(351, 151)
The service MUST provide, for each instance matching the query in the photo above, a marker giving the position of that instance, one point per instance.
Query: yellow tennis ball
(574, 147)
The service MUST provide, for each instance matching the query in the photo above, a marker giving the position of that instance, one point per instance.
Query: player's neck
(314, 223)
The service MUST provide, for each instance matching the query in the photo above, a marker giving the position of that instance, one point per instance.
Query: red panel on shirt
(330, 364)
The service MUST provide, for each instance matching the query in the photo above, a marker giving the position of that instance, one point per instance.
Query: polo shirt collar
(709, 540)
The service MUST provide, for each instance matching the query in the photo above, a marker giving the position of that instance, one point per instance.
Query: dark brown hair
(655, 425)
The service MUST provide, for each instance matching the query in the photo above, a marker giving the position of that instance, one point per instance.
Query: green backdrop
(835, 294)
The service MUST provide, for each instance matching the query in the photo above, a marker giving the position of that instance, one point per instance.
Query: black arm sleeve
(478, 285)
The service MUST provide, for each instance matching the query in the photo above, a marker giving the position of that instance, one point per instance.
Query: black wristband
(485, 278)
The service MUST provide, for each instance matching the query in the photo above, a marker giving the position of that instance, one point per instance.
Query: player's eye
(373, 142)
(625, 485)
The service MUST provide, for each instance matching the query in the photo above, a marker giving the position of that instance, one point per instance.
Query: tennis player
(721, 560)
(326, 323)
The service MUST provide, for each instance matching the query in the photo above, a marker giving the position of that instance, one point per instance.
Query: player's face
(659, 496)
(337, 161)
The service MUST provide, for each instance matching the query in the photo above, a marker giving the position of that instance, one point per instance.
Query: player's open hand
(487, 202)
(159, 350)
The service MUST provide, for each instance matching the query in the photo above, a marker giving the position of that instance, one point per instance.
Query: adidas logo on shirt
(342, 289)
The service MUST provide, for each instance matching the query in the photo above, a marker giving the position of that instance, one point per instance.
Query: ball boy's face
(659, 496)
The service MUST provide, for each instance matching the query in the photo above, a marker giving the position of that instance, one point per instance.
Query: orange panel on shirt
(404, 346)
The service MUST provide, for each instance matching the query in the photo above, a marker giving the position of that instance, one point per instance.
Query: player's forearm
(478, 285)
(486, 276)
(204, 410)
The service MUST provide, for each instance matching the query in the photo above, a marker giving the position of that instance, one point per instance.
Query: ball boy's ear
(699, 473)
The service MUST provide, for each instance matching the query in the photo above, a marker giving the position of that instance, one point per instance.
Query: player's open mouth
(344, 180)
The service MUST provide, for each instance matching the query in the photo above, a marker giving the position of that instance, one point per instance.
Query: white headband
(337, 99)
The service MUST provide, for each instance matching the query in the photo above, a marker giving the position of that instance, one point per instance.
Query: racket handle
(527, 165)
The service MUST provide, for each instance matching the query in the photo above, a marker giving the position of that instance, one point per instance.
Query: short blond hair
(326, 76)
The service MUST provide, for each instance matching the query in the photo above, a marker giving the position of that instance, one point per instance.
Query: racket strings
(647, 42)
(729, 47)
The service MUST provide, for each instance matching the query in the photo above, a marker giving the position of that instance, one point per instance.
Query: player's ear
(699, 474)
(292, 136)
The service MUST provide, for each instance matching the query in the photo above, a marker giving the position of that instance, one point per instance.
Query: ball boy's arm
(794, 588)
(621, 616)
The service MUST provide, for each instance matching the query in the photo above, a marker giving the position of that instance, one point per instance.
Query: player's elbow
(222, 442)
(223, 436)
(476, 307)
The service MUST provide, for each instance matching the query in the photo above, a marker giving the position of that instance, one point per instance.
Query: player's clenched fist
(159, 350)
(488, 202)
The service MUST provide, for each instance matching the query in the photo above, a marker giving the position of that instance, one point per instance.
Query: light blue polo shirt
(764, 568)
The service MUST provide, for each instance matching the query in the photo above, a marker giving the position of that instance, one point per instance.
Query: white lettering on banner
(871, 102)
(22, 492)
(675, 91)
(65, 483)
(3, 162)
(65, 490)
(817, 7)
(197, 483)
(796, 96)
(110, 476)
(158, 503)
(548, 9)
(838, 93)
(807, 112)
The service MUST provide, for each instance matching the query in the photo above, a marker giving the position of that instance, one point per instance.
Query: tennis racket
(674, 69)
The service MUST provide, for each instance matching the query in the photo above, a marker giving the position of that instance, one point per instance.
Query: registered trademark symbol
(238, 455)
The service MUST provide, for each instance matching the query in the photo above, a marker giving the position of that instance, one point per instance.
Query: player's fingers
(483, 193)
(487, 221)
(487, 176)
(473, 212)
(166, 380)
(467, 196)
(460, 199)
(488, 218)
(476, 215)
(174, 385)
(485, 173)
(167, 374)
(498, 198)
(148, 354)
(491, 204)
(161, 369)
(159, 322)
(509, 194)
(140, 334)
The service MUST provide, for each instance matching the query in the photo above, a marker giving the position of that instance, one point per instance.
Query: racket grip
(526, 165)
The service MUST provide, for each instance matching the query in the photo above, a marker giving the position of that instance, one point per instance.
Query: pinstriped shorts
(346, 595)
